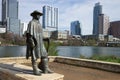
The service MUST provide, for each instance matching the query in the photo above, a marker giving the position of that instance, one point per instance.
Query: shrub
(52, 51)
(110, 58)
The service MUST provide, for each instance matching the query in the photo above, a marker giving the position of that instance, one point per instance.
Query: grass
(111, 58)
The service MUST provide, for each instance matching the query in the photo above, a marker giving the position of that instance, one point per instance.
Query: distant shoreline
(2, 45)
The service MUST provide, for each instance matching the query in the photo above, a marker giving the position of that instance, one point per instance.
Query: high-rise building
(50, 18)
(75, 28)
(10, 15)
(96, 12)
(0, 24)
(115, 29)
(2, 29)
(21, 28)
(104, 24)
(62, 35)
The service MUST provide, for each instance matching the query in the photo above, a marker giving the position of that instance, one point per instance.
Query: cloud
(26, 7)
(111, 8)
(82, 12)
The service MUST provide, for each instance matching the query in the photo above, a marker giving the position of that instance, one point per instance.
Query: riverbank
(111, 58)
(10, 39)
(9, 45)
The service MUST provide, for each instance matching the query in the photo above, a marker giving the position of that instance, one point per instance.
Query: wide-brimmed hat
(36, 13)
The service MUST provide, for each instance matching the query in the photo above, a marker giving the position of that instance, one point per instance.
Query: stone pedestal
(13, 71)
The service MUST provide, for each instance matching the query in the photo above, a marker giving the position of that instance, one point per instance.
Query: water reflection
(87, 51)
(84, 52)
(67, 51)
(13, 51)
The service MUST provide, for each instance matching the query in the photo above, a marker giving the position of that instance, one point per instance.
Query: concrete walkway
(70, 72)
(82, 73)
(14, 71)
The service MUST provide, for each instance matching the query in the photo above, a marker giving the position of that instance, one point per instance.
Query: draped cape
(35, 30)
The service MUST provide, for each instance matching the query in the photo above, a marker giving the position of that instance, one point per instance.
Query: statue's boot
(36, 71)
(43, 65)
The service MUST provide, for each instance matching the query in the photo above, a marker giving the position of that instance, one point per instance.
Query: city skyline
(70, 10)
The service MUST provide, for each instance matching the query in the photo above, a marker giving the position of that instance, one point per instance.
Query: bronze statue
(35, 45)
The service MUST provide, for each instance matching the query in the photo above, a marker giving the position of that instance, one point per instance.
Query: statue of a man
(35, 45)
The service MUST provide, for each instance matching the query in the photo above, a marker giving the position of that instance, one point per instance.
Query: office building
(86, 37)
(10, 16)
(75, 28)
(115, 29)
(2, 30)
(0, 23)
(46, 33)
(50, 18)
(21, 29)
(97, 11)
(60, 35)
(104, 24)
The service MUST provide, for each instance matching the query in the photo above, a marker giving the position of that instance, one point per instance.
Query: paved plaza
(82, 73)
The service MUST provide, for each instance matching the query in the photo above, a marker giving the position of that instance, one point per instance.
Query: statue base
(14, 71)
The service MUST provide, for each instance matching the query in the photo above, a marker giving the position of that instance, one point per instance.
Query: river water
(12, 51)
(67, 51)
(87, 51)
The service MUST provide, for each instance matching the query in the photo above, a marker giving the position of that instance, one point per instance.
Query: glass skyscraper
(97, 11)
(75, 28)
(50, 18)
(10, 16)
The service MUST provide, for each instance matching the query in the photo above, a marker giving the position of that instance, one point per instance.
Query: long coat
(35, 30)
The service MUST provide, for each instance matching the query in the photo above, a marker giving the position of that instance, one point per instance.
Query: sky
(70, 10)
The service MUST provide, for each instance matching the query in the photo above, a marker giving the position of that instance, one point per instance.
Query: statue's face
(38, 17)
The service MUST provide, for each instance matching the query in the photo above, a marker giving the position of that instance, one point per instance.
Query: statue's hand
(31, 42)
